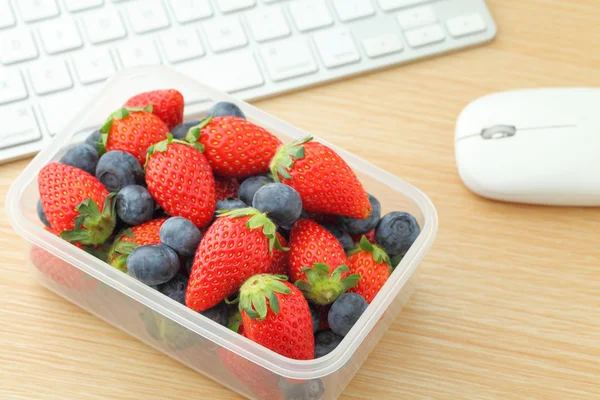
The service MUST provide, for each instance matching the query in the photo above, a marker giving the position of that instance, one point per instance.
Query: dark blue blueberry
(285, 231)
(315, 315)
(117, 169)
(153, 264)
(82, 156)
(188, 265)
(396, 232)
(181, 130)
(229, 203)
(41, 214)
(313, 389)
(175, 288)
(224, 108)
(356, 226)
(219, 313)
(250, 186)
(135, 205)
(345, 311)
(94, 139)
(281, 202)
(181, 235)
(326, 341)
(345, 239)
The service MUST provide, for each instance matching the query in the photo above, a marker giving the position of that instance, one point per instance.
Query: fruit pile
(279, 242)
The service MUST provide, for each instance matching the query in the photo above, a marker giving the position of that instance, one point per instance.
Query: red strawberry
(133, 130)
(235, 147)
(131, 238)
(275, 314)
(167, 104)
(225, 187)
(369, 235)
(76, 204)
(61, 271)
(324, 181)
(237, 245)
(180, 180)
(281, 259)
(373, 266)
(317, 263)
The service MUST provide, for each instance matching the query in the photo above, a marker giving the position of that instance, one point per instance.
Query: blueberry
(82, 156)
(356, 226)
(344, 239)
(316, 317)
(188, 265)
(249, 187)
(181, 235)
(285, 231)
(117, 169)
(94, 139)
(153, 264)
(325, 342)
(135, 205)
(181, 130)
(224, 108)
(345, 311)
(396, 232)
(229, 204)
(41, 214)
(218, 313)
(175, 288)
(281, 202)
(312, 389)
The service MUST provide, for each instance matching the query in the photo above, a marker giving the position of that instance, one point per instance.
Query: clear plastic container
(170, 327)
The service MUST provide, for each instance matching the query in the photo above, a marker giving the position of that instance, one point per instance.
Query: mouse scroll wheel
(498, 132)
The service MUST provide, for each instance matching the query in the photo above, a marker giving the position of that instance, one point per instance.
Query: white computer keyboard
(54, 54)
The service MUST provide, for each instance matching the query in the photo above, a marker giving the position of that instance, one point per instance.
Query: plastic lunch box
(172, 328)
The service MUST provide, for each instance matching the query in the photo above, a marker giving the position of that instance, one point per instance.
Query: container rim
(268, 359)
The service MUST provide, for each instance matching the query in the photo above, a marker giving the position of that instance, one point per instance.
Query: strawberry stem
(258, 220)
(193, 135)
(121, 113)
(379, 255)
(161, 146)
(255, 292)
(284, 159)
(91, 225)
(323, 288)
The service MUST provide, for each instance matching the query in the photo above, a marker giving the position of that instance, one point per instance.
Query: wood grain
(508, 304)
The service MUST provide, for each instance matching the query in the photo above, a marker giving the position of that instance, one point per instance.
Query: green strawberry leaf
(255, 292)
(257, 220)
(324, 288)
(283, 161)
(193, 134)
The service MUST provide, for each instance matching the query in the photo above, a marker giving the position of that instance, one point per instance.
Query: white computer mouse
(539, 146)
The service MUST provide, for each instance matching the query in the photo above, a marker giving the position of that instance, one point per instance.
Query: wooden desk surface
(508, 305)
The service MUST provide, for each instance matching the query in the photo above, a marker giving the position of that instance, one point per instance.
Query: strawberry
(317, 263)
(369, 235)
(281, 259)
(324, 181)
(61, 271)
(275, 314)
(180, 181)
(373, 266)
(76, 204)
(234, 147)
(226, 187)
(132, 130)
(237, 245)
(131, 238)
(167, 104)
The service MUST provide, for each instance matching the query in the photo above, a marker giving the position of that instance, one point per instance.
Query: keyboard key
(18, 125)
(224, 72)
(34, 10)
(288, 59)
(59, 36)
(53, 109)
(138, 52)
(17, 45)
(12, 87)
(310, 14)
(465, 25)
(423, 36)
(190, 10)
(234, 5)
(348, 10)
(336, 47)
(93, 65)
(103, 26)
(147, 16)
(182, 44)
(268, 23)
(388, 5)
(416, 17)
(6, 15)
(382, 45)
(80, 5)
(50, 76)
(225, 34)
